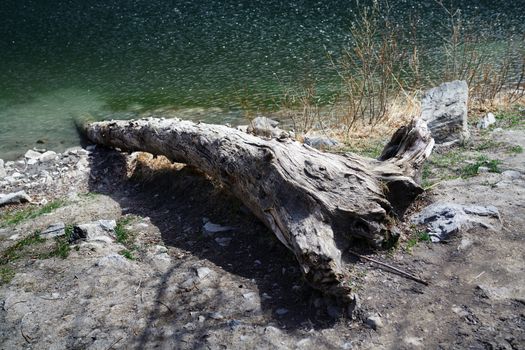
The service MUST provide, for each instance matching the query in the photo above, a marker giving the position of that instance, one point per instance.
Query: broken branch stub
(314, 202)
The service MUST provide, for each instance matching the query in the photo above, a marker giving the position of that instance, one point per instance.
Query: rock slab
(14, 198)
(55, 230)
(101, 230)
(444, 108)
(444, 219)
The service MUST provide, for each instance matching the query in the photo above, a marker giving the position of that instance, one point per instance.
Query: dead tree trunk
(314, 202)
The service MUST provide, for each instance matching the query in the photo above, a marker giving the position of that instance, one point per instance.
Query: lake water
(211, 59)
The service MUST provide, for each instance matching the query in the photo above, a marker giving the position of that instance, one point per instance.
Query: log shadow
(178, 203)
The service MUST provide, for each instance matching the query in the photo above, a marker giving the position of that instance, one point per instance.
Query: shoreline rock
(444, 108)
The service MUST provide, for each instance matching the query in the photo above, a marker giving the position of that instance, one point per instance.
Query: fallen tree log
(316, 203)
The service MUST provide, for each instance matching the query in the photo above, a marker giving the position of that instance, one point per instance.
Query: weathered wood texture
(316, 203)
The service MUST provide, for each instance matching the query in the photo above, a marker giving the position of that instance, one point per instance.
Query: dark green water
(64, 59)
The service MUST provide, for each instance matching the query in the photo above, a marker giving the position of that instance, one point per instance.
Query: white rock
(271, 330)
(249, 295)
(444, 108)
(414, 342)
(32, 161)
(320, 142)
(443, 219)
(216, 316)
(487, 121)
(30, 154)
(160, 249)
(48, 156)
(210, 228)
(2, 169)
(304, 343)
(101, 230)
(203, 272)
(374, 321)
(13, 198)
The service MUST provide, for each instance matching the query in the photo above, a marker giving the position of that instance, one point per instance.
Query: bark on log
(316, 203)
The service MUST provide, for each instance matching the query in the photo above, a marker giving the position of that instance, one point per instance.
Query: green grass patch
(127, 254)
(89, 195)
(516, 149)
(488, 144)
(449, 159)
(6, 274)
(59, 248)
(473, 169)
(415, 238)
(15, 251)
(513, 118)
(371, 150)
(17, 217)
(62, 247)
(122, 234)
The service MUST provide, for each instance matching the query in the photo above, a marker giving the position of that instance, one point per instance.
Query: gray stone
(243, 128)
(483, 170)
(271, 330)
(55, 230)
(250, 296)
(486, 121)
(32, 161)
(263, 126)
(113, 261)
(464, 244)
(444, 108)
(47, 156)
(101, 230)
(511, 174)
(189, 284)
(14, 198)
(443, 219)
(203, 272)
(305, 343)
(281, 311)
(189, 326)
(320, 142)
(234, 323)
(211, 228)
(3, 173)
(223, 241)
(216, 316)
(374, 321)
(30, 154)
(263, 123)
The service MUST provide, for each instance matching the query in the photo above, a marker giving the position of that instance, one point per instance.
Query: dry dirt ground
(170, 284)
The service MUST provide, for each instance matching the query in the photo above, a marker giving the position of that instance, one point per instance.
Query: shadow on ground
(177, 202)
